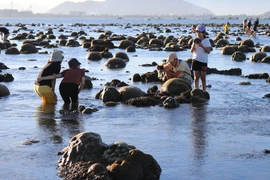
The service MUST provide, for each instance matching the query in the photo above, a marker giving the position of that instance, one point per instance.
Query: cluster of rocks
(87, 157)
(172, 93)
(81, 109)
(99, 48)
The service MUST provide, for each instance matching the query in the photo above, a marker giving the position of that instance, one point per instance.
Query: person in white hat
(175, 68)
(45, 88)
(200, 48)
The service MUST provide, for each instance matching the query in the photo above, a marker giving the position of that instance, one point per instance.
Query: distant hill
(126, 7)
(266, 14)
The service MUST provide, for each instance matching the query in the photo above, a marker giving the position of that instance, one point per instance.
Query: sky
(218, 7)
(234, 7)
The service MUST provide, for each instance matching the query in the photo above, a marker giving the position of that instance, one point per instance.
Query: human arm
(81, 84)
(172, 74)
(193, 47)
(206, 49)
(54, 76)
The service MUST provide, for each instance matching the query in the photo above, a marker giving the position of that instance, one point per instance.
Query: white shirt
(199, 54)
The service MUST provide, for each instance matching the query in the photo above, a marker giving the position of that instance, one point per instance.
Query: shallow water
(222, 139)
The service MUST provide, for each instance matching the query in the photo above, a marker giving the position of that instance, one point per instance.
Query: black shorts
(198, 66)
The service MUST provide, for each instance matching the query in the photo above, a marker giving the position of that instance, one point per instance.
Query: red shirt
(72, 75)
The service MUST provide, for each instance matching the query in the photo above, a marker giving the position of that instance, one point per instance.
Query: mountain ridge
(122, 7)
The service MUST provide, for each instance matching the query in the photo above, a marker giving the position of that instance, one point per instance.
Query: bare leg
(203, 78)
(196, 79)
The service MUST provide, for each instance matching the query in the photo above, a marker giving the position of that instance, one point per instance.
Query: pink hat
(201, 28)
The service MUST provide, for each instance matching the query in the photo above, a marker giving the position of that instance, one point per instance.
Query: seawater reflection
(199, 137)
(55, 126)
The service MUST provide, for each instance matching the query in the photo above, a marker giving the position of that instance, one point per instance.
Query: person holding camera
(200, 49)
(175, 68)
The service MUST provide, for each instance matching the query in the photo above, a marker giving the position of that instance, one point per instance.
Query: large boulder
(222, 43)
(228, 50)
(87, 157)
(88, 83)
(128, 92)
(126, 43)
(170, 102)
(247, 42)
(6, 77)
(121, 55)
(265, 49)
(136, 166)
(156, 42)
(72, 43)
(109, 94)
(94, 56)
(243, 48)
(12, 50)
(115, 63)
(239, 56)
(257, 56)
(100, 42)
(174, 86)
(198, 96)
(86, 146)
(4, 91)
(3, 66)
(266, 59)
(28, 48)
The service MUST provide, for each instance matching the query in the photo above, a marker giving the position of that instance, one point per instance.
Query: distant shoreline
(35, 16)
(13, 13)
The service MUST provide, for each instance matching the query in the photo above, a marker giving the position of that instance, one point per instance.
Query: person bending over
(175, 68)
(72, 82)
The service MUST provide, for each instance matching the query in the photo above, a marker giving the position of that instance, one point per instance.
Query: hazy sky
(234, 7)
(219, 7)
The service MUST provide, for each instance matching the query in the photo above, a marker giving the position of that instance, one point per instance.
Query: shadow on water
(55, 126)
(199, 137)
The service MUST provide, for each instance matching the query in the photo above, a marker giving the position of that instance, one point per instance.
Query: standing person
(244, 25)
(193, 28)
(4, 33)
(255, 27)
(227, 29)
(248, 30)
(175, 68)
(200, 50)
(45, 88)
(71, 84)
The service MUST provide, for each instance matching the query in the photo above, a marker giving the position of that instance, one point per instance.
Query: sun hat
(171, 57)
(57, 56)
(201, 28)
(73, 63)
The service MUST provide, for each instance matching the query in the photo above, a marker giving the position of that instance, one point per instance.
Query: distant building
(8, 12)
(77, 13)
(15, 13)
